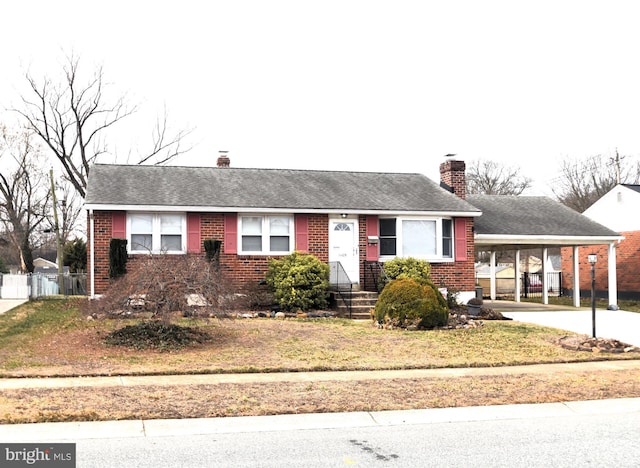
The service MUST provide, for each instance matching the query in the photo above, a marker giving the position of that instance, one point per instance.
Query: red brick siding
(456, 275)
(246, 271)
(459, 275)
(102, 221)
(627, 265)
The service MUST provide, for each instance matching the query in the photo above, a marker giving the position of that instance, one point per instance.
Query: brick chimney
(452, 177)
(223, 159)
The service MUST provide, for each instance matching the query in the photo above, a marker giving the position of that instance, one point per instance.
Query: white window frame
(438, 256)
(156, 233)
(266, 234)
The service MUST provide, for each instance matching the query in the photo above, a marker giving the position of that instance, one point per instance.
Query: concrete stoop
(362, 302)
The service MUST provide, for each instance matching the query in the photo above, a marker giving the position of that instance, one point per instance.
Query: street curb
(296, 422)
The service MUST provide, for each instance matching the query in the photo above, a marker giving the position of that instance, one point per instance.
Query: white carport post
(492, 273)
(516, 267)
(613, 277)
(576, 276)
(545, 288)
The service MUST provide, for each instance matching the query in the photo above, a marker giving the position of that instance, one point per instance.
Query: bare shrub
(159, 286)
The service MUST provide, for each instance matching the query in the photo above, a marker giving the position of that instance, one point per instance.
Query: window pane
(171, 224)
(251, 243)
(278, 225)
(418, 238)
(279, 244)
(141, 242)
(170, 242)
(388, 227)
(251, 225)
(447, 238)
(141, 223)
(388, 246)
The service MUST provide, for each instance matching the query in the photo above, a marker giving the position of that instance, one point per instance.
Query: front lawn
(52, 338)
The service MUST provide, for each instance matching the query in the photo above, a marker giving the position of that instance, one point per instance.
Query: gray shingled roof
(225, 188)
(532, 216)
(632, 187)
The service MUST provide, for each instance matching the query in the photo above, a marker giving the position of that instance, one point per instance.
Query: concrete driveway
(616, 324)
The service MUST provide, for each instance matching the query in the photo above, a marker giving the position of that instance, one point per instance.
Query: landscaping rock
(596, 345)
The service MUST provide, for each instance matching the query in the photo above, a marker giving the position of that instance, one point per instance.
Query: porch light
(343, 215)
(592, 258)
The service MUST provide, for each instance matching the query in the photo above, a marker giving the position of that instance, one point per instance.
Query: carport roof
(509, 222)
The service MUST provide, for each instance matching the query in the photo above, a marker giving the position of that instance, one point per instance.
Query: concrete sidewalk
(214, 379)
(8, 304)
(73, 431)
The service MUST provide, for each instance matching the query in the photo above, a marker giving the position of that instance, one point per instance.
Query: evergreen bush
(117, 258)
(407, 302)
(409, 267)
(212, 248)
(299, 282)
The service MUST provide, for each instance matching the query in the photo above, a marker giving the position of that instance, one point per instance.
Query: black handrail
(376, 273)
(340, 282)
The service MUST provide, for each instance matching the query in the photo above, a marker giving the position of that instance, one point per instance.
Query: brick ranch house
(355, 218)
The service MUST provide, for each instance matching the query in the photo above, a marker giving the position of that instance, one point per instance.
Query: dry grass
(70, 345)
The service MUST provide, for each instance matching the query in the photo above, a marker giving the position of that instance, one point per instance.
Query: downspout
(92, 256)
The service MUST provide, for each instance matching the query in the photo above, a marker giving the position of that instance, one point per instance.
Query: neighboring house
(44, 263)
(355, 218)
(618, 210)
(531, 269)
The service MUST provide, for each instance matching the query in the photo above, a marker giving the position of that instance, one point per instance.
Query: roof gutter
(507, 239)
(235, 209)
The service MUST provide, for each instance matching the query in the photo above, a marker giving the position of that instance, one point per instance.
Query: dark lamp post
(593, 258)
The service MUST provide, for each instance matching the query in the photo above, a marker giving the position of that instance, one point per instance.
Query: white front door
(343, 246)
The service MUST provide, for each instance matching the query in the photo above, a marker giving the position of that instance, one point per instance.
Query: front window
(157, 232)
(423, 238)
(266, 234)
(387, 236)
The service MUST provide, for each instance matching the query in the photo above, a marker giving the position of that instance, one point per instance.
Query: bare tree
(584, 181)
(24, 193)
(493, 178)
(73, 118)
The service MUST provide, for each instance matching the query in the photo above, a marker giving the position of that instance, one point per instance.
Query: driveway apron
(617, 324)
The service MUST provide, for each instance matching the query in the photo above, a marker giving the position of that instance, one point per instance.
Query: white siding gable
(618, 209)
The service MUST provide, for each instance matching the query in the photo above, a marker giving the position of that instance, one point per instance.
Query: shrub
(161, 285)
(419, 270)
(299, 282)
(406, 302)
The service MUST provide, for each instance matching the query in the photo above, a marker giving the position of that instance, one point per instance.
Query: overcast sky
(354, 85)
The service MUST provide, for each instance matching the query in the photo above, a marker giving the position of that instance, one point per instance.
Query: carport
(516, 223)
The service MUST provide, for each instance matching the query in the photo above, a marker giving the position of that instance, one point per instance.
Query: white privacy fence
(36, 285)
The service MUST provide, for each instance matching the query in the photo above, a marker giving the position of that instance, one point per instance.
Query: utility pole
(616, 161)
(57, 228)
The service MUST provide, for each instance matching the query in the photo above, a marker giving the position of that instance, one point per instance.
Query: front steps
(362, 302)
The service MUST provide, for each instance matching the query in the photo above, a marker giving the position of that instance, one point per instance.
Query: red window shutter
(372, 230)
(231, 233)
(302, 233)
(460, 234)
(193, 233)
(119, 224)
